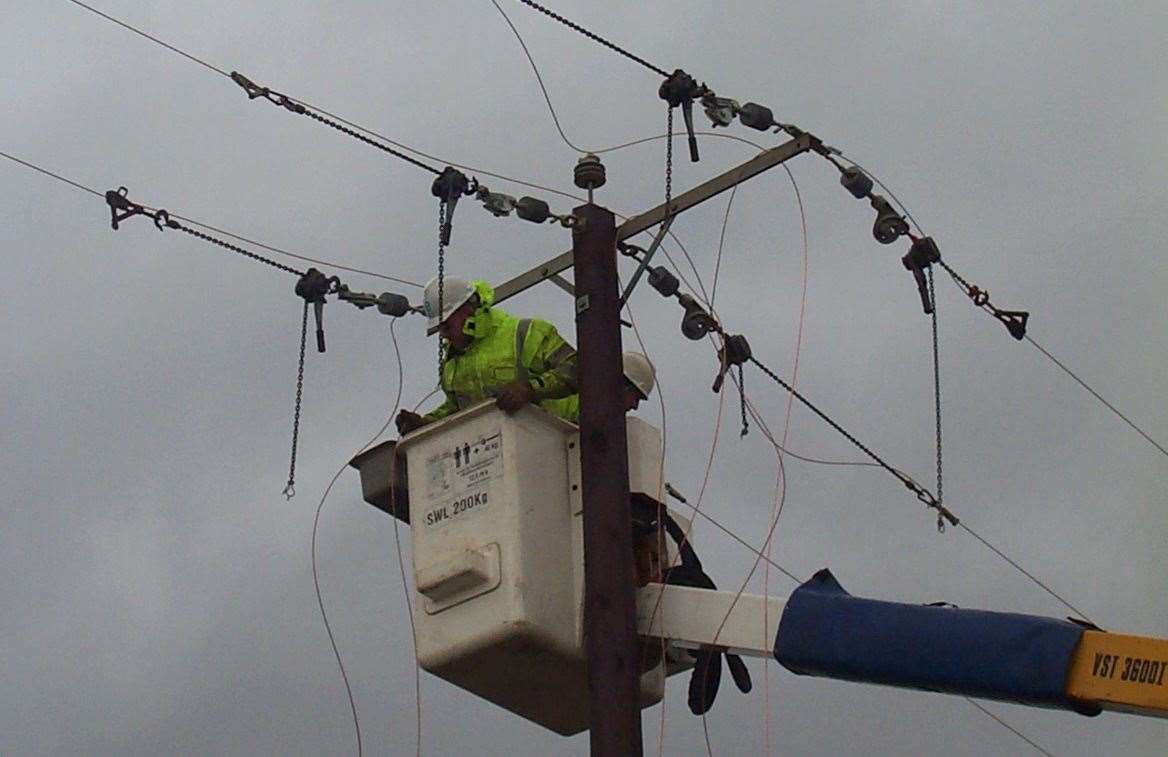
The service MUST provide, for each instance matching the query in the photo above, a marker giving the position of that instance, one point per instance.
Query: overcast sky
(158, 595)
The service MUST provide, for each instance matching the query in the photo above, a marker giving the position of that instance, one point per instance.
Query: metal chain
(441, 286)
(594, 37)
(937, 392)
(373, 142)
(742, 400)
(923, 494)
(668, 157)
(171, 223)
(290, 489)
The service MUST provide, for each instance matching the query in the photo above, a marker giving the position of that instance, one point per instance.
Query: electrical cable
(538, 78)
(1008, 727)
(316, 527)
(194, 222)
(594, 37)
(172, 48)
(1096, 395)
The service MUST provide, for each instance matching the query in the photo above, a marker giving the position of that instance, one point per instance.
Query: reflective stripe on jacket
(506, 349)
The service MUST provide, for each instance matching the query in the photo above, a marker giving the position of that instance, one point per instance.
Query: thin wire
(936, 383)
(1008, 727)
(172, 48)
(316, 527)
(538, 77)
(47, 172)
(721, 241)
(594, 37)
(1026, 573)
(216, 229)
(1096, 395)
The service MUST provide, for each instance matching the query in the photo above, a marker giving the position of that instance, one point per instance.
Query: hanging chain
(290, 489)
(668, 158)
(937, 396)
(441, 286)
(742, 400)
(923, 494)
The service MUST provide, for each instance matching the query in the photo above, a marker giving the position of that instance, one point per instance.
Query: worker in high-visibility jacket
(491, 353)
(639, 380)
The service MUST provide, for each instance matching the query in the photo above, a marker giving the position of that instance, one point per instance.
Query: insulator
(663, 281)
(532, 209)
(756, 116)
(856, 181)
(395, 305)
(889, 225)
(589, 172)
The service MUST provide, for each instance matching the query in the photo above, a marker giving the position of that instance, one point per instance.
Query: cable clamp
(253, 91)
(1013, 320)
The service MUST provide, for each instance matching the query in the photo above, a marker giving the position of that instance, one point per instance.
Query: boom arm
(824, 631)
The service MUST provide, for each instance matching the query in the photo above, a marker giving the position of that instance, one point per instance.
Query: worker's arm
(551, 362)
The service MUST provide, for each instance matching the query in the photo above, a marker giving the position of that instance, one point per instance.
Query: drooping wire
(316, 528)
(538, 78)
(594, 37)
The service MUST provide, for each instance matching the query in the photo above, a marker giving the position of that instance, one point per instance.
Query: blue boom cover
(827, 632)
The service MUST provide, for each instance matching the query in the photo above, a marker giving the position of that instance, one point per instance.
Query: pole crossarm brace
(647, 220)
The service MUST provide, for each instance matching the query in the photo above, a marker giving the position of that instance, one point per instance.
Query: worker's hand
(407, 422)
(514, 396)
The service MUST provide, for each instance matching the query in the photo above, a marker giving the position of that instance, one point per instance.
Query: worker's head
(639, 380)
(459, 300)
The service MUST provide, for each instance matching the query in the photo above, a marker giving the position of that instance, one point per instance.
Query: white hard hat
(639, 371)
(456, 292)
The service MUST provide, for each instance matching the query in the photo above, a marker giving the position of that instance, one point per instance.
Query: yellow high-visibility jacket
(505, 349)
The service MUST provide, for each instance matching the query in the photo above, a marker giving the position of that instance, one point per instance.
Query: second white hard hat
(456, 292)
(640, 373)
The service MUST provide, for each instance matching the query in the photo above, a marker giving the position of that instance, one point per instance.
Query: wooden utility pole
(611, 641)
(610, 622)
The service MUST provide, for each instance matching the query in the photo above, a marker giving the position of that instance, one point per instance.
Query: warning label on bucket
(458, 477)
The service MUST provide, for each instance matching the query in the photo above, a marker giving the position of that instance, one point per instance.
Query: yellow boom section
(1121, 672)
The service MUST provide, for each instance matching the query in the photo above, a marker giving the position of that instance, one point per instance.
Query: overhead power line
(216, 229)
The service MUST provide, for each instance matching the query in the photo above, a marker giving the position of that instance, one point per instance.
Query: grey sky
(159, 594)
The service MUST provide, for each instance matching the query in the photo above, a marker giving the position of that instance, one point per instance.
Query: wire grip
(121, 208)
(254, 91)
